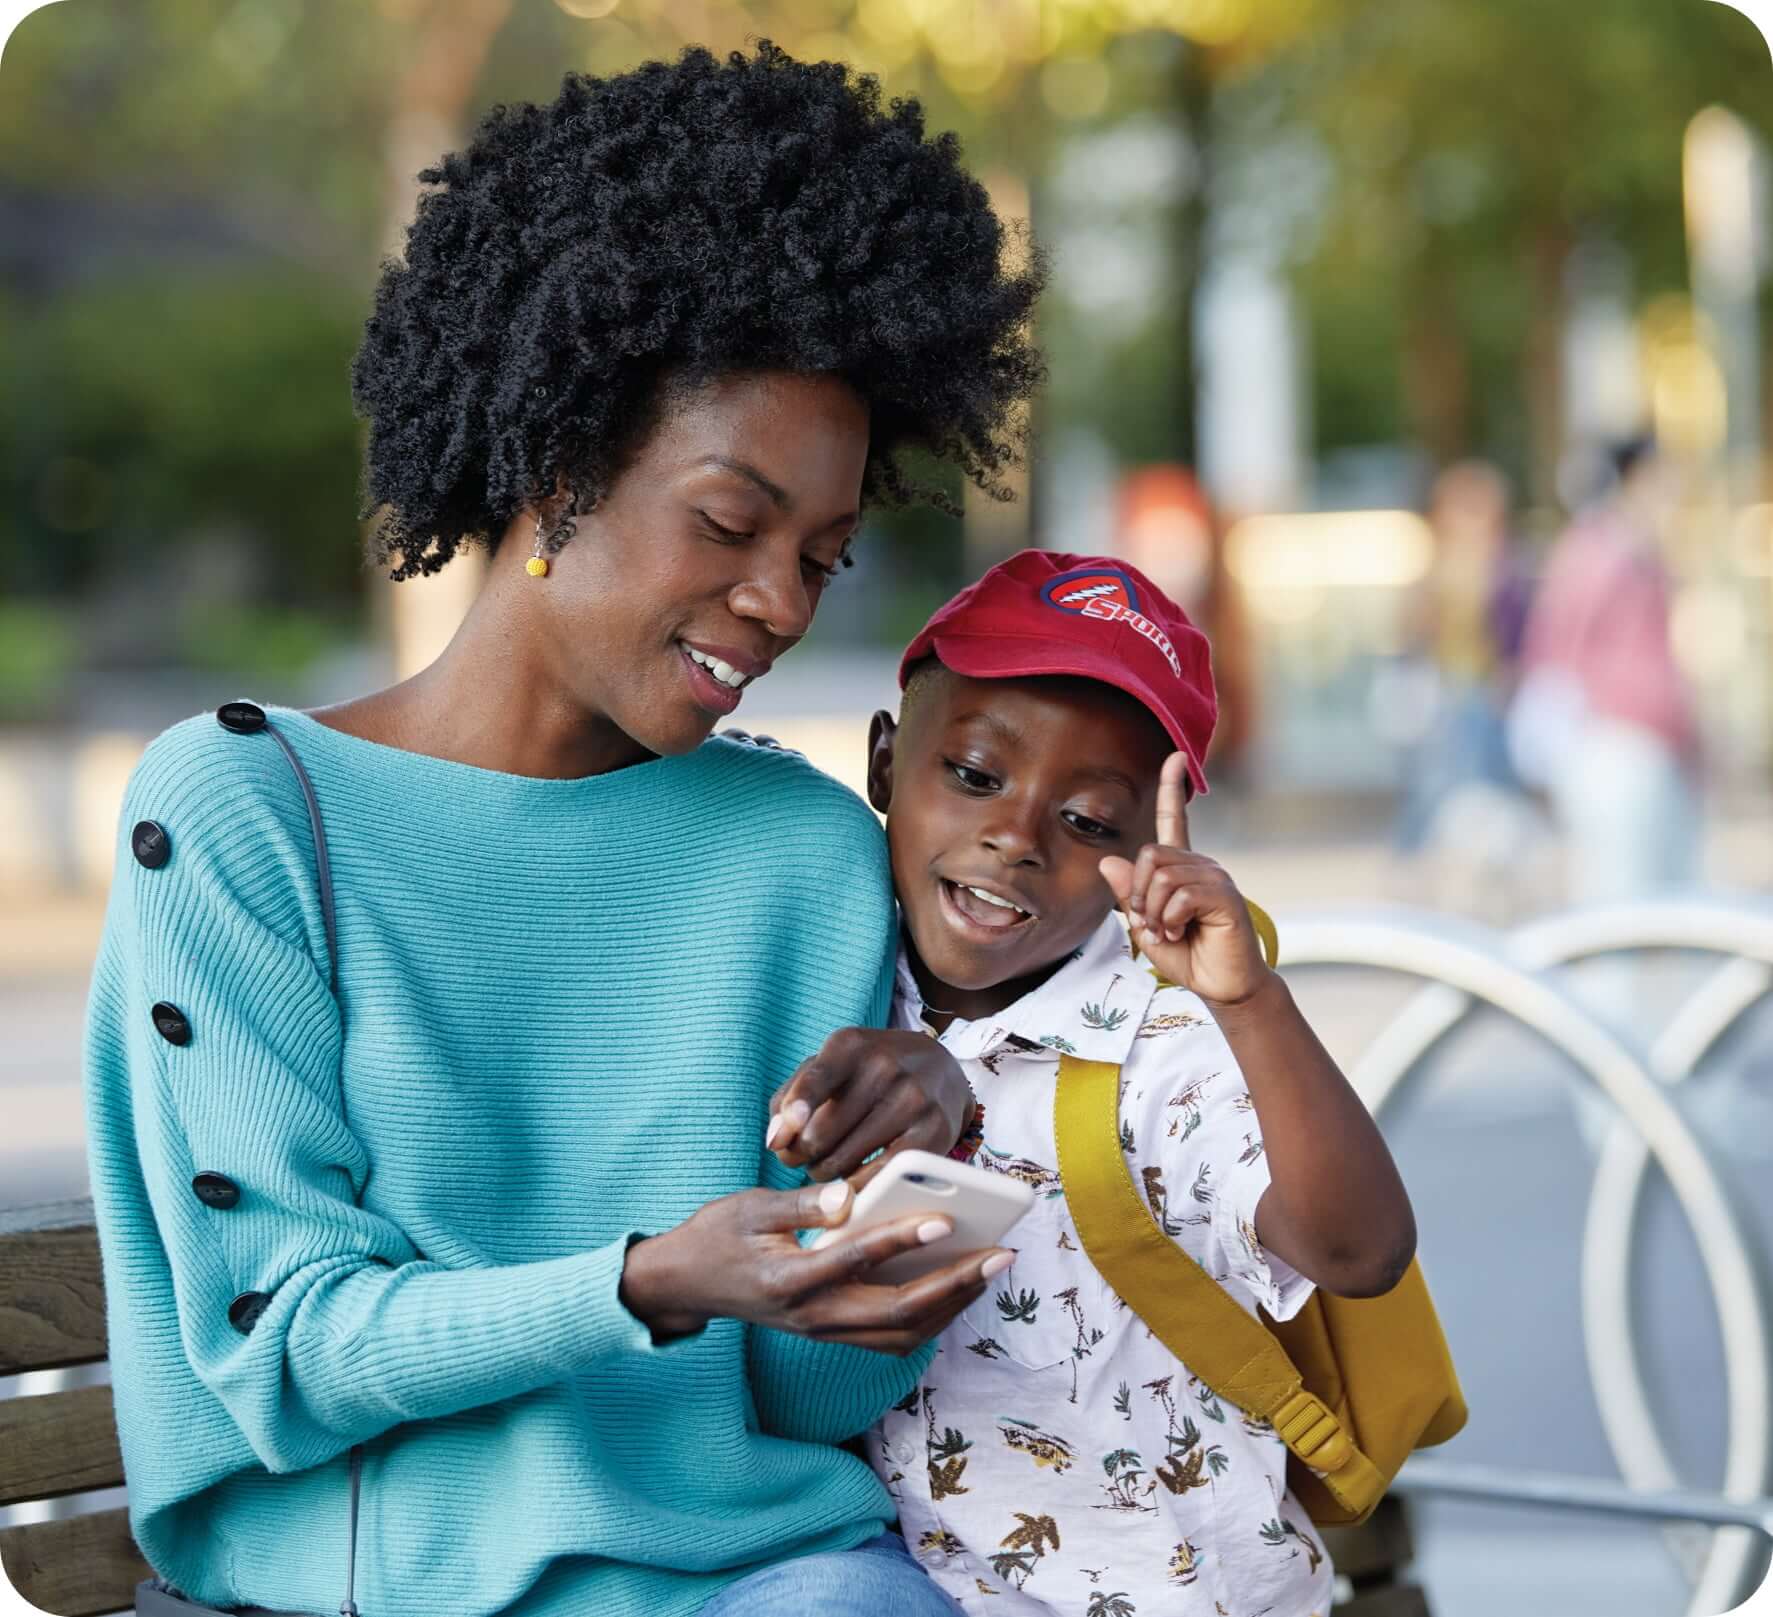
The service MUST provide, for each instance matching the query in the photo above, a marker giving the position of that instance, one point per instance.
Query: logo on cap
(1073, 592)
(1096, 592)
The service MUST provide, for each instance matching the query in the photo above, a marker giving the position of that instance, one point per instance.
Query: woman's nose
(774, 593)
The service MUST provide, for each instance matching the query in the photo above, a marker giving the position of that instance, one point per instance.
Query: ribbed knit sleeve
(823, 1392)
(310, 1318)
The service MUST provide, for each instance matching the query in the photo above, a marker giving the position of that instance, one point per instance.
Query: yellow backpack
(1351, 1385)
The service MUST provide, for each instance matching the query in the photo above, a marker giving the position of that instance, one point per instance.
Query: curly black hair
(665, 226)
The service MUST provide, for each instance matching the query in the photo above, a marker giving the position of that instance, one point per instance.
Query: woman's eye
(720, 533)
(975, 780)
(1090, 828)
(844, 559)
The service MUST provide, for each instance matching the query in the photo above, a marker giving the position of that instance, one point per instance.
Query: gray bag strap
(323, 864)
(348, 1606)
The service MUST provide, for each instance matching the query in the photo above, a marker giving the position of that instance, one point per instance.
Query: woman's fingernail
(778, 1127)
(833, 1196)
(933, 1230)
(996, 1264)
(796, 1112)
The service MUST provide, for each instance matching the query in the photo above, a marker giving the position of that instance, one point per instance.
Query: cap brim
(978, 656)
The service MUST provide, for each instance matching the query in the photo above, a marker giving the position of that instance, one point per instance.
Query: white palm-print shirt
(1056, 1458)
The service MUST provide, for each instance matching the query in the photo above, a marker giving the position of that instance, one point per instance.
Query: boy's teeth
(992, 898)
(722, 671)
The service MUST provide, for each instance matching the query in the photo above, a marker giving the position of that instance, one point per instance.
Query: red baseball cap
(1096, 617)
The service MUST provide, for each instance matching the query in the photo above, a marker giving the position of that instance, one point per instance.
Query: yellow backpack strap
(1265, 932)
(1228, 1349)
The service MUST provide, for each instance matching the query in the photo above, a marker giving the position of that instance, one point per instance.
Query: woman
(481, 1220)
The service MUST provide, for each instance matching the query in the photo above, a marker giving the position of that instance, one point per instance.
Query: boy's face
(1014, 788)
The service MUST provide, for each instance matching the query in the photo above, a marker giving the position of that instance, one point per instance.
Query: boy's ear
(883, 731)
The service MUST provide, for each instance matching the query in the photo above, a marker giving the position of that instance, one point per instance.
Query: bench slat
(52, 1300)
(1402, 1600)
(79, 1566)
(57, 1443)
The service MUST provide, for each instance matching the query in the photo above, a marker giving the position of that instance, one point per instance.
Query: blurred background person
(1468, 614)
(1605, 714)
(1166, 528)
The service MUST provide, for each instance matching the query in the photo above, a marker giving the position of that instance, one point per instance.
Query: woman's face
(706, 558)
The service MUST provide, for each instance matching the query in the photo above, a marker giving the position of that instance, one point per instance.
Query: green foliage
(139, 411)
(1465, 145)
(268, 644)
(274, 105)
(38, 646)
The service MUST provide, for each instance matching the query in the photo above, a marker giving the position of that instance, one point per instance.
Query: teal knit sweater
(562, 1007)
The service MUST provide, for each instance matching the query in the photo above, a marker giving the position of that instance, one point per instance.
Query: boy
(1054, 1457)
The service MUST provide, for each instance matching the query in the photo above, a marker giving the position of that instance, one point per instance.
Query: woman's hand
(868, 1090)
(738, 1258)
(1183, 911)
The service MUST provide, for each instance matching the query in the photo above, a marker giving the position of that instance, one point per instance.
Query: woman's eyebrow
(779, 496)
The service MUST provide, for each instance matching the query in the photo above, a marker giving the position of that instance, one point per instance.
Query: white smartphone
(982, 1207)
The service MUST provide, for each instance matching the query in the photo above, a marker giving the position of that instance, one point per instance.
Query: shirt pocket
(1030, 1313)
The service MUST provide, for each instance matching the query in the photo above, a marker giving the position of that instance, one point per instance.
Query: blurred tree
(149, 408)
(1467, 147)
(245, 162)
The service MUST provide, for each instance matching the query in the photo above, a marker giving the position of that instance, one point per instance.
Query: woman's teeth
(724, 672)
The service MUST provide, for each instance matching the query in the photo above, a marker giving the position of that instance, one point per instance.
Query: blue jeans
(874, 1578)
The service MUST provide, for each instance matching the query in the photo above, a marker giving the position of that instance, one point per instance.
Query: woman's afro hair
(669, 225)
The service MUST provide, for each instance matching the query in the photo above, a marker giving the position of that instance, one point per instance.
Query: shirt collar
(1091, 1007)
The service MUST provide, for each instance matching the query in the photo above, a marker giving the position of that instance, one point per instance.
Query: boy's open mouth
(982, 908)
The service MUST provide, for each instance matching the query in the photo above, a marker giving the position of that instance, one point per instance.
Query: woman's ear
(883, 731)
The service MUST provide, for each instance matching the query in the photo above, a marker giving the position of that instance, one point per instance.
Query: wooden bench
(52, 1315)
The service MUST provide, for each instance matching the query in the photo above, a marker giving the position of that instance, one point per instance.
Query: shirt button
(905, 1454)
(150, 844)
(243, 718)
(216, 1190)
(170, 1023)
(244, 1311)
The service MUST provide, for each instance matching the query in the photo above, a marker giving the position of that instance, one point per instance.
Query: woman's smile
(718, 675)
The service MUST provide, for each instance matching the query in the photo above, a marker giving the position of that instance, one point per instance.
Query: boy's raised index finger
(1172, 802)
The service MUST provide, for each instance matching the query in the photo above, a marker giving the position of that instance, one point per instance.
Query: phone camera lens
(917, 1178)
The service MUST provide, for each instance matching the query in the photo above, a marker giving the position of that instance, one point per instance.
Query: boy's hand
(1183, 911)
(868, 1088)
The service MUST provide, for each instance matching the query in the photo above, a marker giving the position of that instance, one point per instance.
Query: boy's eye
(1089, 827)
(974, 780)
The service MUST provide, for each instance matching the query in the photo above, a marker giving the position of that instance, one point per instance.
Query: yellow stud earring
(537, 565)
